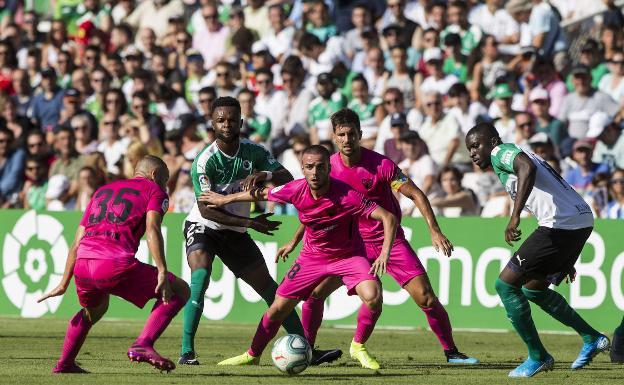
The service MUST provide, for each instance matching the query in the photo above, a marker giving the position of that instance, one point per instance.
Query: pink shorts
(306, 274)
(403, 264)
(129, 279)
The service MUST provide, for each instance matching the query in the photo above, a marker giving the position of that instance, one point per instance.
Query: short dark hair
(226, 101)
(360, 78)
(318, 150)
(208, 90)
(485, 129)
(246, 91)
(345, 117)
(293, 65)
(457, 89)
(143, 95)
(67, 129)
(265, 71)
(308, 40)
(452, 169)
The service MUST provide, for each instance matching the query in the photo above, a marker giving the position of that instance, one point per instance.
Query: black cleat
(322, 356)
(454, 356)
(617, 349)
(188, 358)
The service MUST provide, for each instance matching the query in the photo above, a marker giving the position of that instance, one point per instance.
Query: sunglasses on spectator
(223, 74)
(182, 41)
(112, 101)
(210, 17)
(208, 101)
(79, 128)
(617, 62)
(431, 104)
(4, 141)
(138, 106)
(109, 123)
(33, 168)
(617, 181)
(540, 101)
(264, 81)
(392, 101)
(298, 152)
(97, 80)
(33, 145)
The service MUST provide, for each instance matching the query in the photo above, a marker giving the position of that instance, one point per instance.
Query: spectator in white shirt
(462, 109)
(437, 81)
(417, 165)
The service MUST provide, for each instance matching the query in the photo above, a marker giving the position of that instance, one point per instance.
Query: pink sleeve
(363, 206)
(283, 193)
(158, 201)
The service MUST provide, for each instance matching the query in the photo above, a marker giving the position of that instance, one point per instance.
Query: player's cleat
(359, 352)
(590, 350)
(138, 353)
(322, 356)
(73, 368)
(617, 349)
(188, 358)
(531, 367)
(243, 359)
(454, 356)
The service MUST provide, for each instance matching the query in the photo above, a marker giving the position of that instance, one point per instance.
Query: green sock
(620, 329)
(292, 323)
(194, 308)
(554, 304)
(519, 312)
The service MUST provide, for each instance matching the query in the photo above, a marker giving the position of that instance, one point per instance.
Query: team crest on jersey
(204, 184)
(367, 183)
(246, 165)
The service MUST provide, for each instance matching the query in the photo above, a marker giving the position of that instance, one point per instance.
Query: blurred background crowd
(89, 87)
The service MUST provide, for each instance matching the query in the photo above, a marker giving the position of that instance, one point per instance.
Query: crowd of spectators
(89, 87)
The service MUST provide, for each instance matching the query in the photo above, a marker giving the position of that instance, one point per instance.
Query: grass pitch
(29, 349)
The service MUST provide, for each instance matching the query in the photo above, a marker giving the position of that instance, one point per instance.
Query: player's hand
(263, 225)
(512, 232)
(283, 252)
(213, 199)
(440, 242)
(59, 290)
(253, 180)
(163, 288)
(379, 266)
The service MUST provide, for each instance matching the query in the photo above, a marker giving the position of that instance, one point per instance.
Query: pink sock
(267, 329)
(160, 317)
(75, 336)
(439, 323)
(366, 321)
(311, 318)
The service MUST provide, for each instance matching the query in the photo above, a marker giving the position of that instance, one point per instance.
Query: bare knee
(421, 292)
(279, 310)
(181, 289)
(372, 297)
(199, 259)
(95, 314)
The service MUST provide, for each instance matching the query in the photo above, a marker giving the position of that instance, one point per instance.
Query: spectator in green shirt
(455, 62)
(256, 127)
(544, 122)
(592, 58)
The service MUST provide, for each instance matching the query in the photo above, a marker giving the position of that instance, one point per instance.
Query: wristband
(269, 175)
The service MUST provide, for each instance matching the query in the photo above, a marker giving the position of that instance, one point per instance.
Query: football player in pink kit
(330, 211)
(102, 259)
(376, 176)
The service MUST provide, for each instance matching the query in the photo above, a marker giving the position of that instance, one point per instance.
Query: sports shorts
(403, 264)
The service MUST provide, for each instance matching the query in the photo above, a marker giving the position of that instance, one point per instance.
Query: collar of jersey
(226, 155)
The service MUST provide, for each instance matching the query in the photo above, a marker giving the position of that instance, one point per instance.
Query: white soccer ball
(291, 354)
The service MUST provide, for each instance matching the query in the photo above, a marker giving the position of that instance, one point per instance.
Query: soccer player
(330, 210)
(375, 176)
(230, 165)
(102, 259)
(617, 350)
(548, 255)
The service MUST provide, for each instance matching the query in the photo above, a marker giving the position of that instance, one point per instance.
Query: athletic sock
(519, 312)
(311, 317)
(440, 324)
(75, 336)
(291, 323)
(366, 321)
(554, 304)
(267, 329)
(194, 308)
(160, 317)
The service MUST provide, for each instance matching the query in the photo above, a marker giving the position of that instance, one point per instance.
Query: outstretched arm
(438, 239)
(213, 199)
(69, 267)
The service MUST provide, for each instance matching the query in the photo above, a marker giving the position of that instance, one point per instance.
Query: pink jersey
(114, 220)
(331, 222)
(374, 177)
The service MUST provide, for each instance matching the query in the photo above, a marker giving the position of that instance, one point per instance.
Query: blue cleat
(531, 367)
(454, 356)
(589, 351)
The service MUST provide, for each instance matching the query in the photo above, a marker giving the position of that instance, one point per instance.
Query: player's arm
(278, 177)
(69, 267)
(209, 204)
(156, 246)
(389, 222)
(525, 170)
(438, 239)
(290, 246)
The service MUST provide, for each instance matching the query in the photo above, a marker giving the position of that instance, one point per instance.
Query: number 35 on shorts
(293, 271)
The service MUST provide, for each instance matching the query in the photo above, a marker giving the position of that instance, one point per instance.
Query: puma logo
(520, 260)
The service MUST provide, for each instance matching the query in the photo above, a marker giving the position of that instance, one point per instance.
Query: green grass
(29, 349)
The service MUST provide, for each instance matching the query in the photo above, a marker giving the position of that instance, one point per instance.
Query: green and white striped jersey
(215, 171)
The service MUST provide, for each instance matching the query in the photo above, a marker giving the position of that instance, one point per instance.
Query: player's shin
(312, 317)
(267, 329)
(160, 317)
(366, 320)
(554, 304)
(75, 336)
(291, 323)
(439, 322)
(519, 312)
(194, 308)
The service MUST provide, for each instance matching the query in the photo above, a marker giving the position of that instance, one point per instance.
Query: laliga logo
(33, 260)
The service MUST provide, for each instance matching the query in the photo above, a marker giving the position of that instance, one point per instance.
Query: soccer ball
(291, 354)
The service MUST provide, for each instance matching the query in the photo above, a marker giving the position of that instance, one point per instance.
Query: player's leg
(268, 327)
(313, 308)
(77, 331)
(370, 293)
(617, 350)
